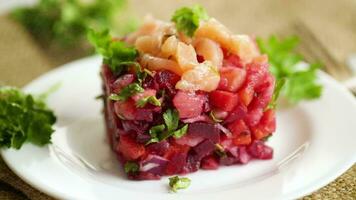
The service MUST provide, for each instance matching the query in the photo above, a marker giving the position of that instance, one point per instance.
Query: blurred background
(49, 33)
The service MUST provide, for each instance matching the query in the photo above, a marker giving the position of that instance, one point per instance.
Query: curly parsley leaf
(294, 83)
(131, 167)
(23, 119)
(145, 100)
(117, 55)
(180, 132)
(127, 92)
(187, 20)
(171, 119)
(169, 129)
(177, 183)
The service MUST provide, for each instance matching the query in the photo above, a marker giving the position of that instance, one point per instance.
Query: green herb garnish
(117, 55)
(131, 167)
(169, 129)
(145, 100)
(293, 83)
(23, 119)
(187, 20)
(127, 92)
(177, 183)
(66, 21)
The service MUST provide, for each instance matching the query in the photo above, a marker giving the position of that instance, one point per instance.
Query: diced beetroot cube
(159, 148)
(243, 139)
(144, 114)
(192, 164)
(209, 163)
(246, 94)
(254, 116)
(125, 109)
(203, 149)
(121, 82)
(240, 132)
(137, 126)
(231, 78)
(199, 131)
(188, 104)
(177, 156)
(263, 93)
(239, 112)
(266, 126)
(146, 93)
(228, 160)
(130, 149)
(223, 100)
(244, 157)
(166, 80)
(259, 150)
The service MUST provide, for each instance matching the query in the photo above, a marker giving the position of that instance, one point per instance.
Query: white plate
(314, 144)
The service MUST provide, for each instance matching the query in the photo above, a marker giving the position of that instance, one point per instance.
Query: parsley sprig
(168, 129)
(292, 82)
(23, 118)
(177, 183)
(117, 55)
(187, 20)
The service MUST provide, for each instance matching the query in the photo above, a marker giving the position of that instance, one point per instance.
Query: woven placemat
(23, 59)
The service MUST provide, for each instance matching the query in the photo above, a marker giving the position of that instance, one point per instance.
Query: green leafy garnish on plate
(24, 118)
(294, 81)
(177, 183)
(187, 20)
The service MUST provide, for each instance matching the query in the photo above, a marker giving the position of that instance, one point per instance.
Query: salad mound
(185, 95)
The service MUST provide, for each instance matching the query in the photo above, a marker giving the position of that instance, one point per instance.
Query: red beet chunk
(177, 156)
(159, 148)
(192, 164)
(244, 157)
(223, 100)
(125, 109)
(239, 112)
(228, 160)
(241, 133)
(204, 149)
(188, 104)
(130, 149)
(266, 126)
(254, 116)
(209, 163)
(121, 82)
(136, 126)
(260, 151)
(166, 80)
(263, 93)
(231, 78)
(204, 130)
